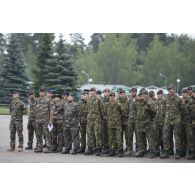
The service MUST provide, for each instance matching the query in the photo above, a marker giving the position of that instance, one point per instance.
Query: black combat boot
(178, 154)
(89, 151)
(151, 154)
(29, 147)
(164, 154)
(74, 151)
(38, 150)
(66, 151)
(105, 151)
(190, 155)
(120, 153)
(111, 153)
(171, 152)
(139, 154)
(81, 150)
(98, 152)
(183, 153)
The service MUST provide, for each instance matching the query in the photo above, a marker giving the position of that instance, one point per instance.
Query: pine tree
(45, 55)
(14, 75)
(2, 49)
(61, 72)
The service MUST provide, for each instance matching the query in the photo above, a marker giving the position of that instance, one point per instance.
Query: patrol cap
(99, 92)
(141, 90)
(159, 92)
(122, 91)
(93, 89)
(189, 88)
(41, 90)
(15, 92)
(86, 91)
(106, 90)
(50, 91)
(184, 91)
(151, 93)
(171, 87)
(112, 94)
(31, 92)
(140, 93)
(58, 96)
(145, 92)
(133, 89)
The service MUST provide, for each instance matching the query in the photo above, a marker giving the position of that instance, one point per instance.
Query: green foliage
(14, 75)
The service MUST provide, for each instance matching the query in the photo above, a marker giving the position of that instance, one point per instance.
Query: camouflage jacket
(173, 109)
(113, 112)
(83, 111)
(104, 104)
(32, 109)
(94, 109)
(42, 110)
(160, 115)
(132, 116)
(144, 111)
(57, 110)
(17, 109)
(192, 111)
(185, 118)
(71, 111)
(124, 110)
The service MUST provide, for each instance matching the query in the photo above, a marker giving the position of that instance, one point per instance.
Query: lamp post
(90, 81)
(178, 81)
(86, 75)
(165, 77)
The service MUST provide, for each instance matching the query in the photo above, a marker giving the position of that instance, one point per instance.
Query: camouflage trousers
(57, 136)
(168, 132)
(83, 127)
(125, 134)
(191, 137)
(16, 126)
(115, 138)
(42, 130)
(131, 131)
(104, 134)
(94, 134)
(71, 136)
(159, 137)
(31, 126)
(144, 134)
(184, 131)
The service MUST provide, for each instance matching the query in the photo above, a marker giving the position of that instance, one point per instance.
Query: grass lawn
(4, 110)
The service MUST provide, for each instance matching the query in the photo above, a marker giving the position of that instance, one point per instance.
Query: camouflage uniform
(31, 126)
(94, 123)
(105, 101)
(57, 138)
(42, 120)
(144, 110)
(173, 109)
(83, 111)
(131, 125)
(124, 121)
(159, 123)
(71, 126)
(113, 113)
(17, 110)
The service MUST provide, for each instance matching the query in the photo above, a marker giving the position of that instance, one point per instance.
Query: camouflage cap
(133, 89)
(93, 89)
(122, 91)
(50, 91)
(184, 91)
(189, 88)
(112, 94)
(145, 92)
(106, 90)
(41, 90)
(31, 92)
(151, 93)
(160, 92)
(171, 87)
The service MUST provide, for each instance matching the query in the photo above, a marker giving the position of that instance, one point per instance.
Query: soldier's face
(41, 94)
(16, 95)
(93, 93)
(160, 96)
(31, 96)
(85, 97)
(122, 95)
(190, 92)
(184, 95)
(70, 98)
(112, 98)
(106, 94)
(133, 93)
(49, 95)
(171, 91)
(57, 99)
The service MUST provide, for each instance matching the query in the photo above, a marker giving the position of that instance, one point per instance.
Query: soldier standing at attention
(57, 116)
(71, 126)
(105, 100)
(159, 120)
(124, 118)
(42, 121)
(131, 123)
(31, 126)
(113, 112)
(94, 118)
(17, 109)
(173, 109)
(83, 111)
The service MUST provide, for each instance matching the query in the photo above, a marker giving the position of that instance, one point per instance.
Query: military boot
(89, 151)
(74, 151)
(128, 153)
(120, 153)
(190, 155)
(171, 152)
(98, 152)
(38, 150)
(10, 149)
(164, 154)
(29, 147)
(183, 153)
(20, 149)
(151, 154)
(66, 151)
(178, 154)
(105, 151)
(81, 150)
(111, 153)
(139, 154)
